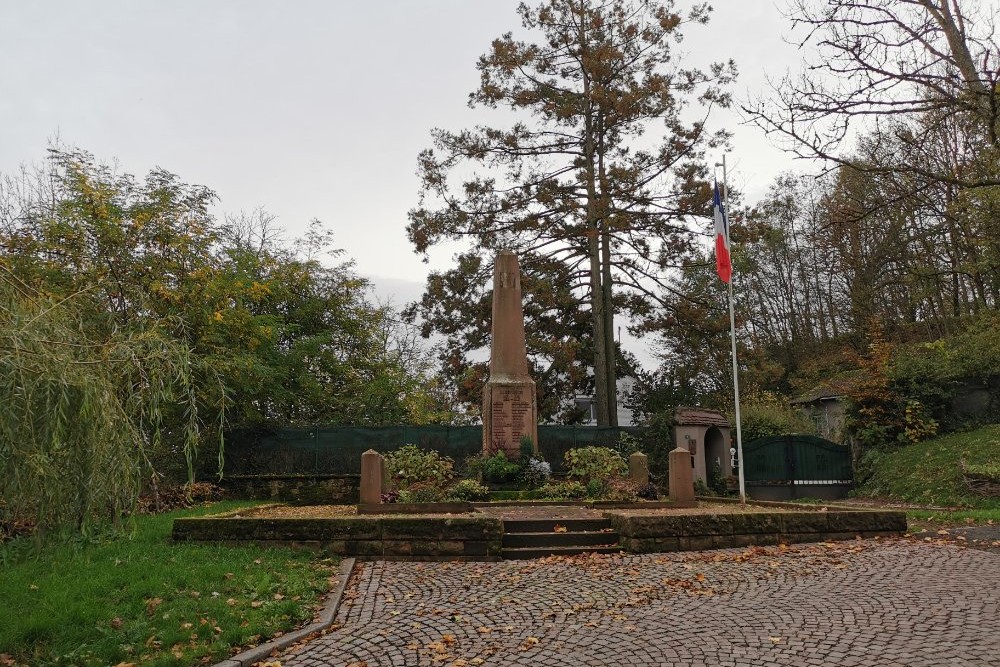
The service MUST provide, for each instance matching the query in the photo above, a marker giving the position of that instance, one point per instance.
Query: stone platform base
(479, 536)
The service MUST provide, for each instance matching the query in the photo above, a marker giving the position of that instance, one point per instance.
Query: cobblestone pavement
(890, 603)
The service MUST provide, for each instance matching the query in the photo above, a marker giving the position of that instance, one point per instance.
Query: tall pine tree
(596, 183)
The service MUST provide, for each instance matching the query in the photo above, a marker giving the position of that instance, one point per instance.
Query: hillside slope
(930, 472)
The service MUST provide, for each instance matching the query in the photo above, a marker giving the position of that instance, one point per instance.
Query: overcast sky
(310, 109)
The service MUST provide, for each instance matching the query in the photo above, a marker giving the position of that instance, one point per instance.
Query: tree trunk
(610, 355)
(597, 304)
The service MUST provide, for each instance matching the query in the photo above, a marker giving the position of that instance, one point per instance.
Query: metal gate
(784, 467)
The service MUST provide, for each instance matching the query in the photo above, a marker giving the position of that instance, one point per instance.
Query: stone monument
(510, 410)
(372, 473)
(681, 478)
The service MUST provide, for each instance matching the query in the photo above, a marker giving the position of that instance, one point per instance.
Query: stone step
(567, 539)
(548, 525)
(522, 553)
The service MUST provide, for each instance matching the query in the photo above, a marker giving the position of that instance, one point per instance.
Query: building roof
(822, 392)
(700, 417)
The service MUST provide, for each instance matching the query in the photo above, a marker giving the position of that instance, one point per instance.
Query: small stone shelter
(704, 433)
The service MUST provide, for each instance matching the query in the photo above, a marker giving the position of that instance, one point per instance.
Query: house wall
(692, 438)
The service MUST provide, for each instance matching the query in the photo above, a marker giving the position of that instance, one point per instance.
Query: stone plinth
(510, 410)
(638, 468)
(371, 478)
(681, 478)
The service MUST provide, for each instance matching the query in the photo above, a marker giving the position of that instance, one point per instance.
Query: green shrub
(409, 466)
(532, 494)
(701, 488)
(622, 490)
(716, 481)
(469, 490)
(421, 493)
(566, 490)
(527, 447)
(766, 414)
(499, 469)
(590, 463)
(595, 488)
(626, 445)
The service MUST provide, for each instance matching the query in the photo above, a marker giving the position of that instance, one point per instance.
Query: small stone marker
(510, 410)
(371, 478)
(681, 477)
(638, 468)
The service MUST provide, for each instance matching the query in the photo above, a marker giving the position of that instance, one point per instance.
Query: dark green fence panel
(336, 450)
(798, 459)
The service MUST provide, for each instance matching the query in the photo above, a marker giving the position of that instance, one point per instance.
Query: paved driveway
(886, 603)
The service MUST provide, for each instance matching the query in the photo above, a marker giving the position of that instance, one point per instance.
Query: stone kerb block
(638, 468)
(371, 477)
(681, 476)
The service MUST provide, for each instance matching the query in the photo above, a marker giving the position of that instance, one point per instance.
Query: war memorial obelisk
(510, 410)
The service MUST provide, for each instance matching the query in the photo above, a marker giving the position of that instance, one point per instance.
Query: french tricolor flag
(723, 266)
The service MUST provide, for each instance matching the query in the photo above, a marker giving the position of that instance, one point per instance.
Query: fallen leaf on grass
(256, 604)
(7, 660)
(231, 602)
(152, 604)
(116, 623)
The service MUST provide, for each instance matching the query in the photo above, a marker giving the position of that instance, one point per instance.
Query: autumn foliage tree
(135, 327)
(593, 185)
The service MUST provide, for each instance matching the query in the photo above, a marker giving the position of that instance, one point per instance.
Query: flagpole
(732, 337)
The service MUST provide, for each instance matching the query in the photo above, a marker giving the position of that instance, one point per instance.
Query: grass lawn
(142, 600)
(930, 472)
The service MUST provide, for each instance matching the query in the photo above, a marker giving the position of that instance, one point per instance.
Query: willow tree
(84, 413)
(602, 169)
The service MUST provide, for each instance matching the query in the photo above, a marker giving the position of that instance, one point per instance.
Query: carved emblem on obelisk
(510, 410)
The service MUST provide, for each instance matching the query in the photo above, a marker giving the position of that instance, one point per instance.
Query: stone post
(638, 468)
(510, 410)
(681, 478)
(371, 478)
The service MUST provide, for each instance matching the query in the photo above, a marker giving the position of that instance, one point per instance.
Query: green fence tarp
(336, 450)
